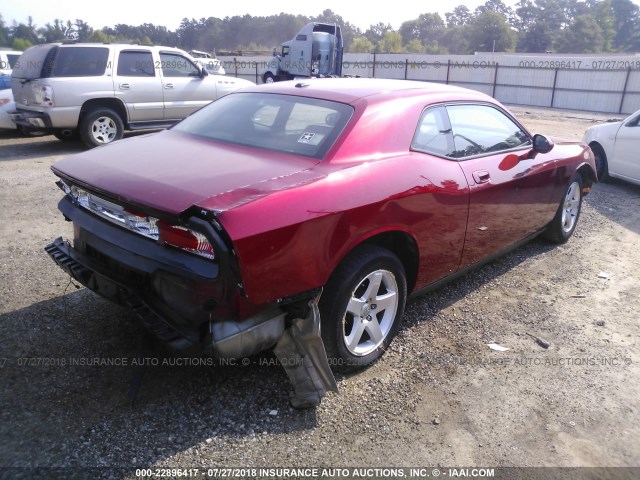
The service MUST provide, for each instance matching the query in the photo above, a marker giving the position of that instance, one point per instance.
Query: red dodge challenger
(300, 215)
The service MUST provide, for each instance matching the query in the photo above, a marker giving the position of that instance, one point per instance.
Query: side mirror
(542, 144)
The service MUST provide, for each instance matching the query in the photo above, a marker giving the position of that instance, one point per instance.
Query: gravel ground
(439, 396)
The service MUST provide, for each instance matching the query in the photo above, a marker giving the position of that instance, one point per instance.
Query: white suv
(96, 91)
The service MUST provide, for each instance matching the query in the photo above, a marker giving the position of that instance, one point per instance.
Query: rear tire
(566, 219)
(100, 127)
(361, 308)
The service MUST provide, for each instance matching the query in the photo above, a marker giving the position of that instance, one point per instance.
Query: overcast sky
(136, 12)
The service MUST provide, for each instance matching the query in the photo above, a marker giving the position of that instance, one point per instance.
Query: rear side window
(434, 133)
(80, 62)
(135, 64)
(30, 64)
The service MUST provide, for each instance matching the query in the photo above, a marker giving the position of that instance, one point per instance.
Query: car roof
(349, 90)
(114, 45)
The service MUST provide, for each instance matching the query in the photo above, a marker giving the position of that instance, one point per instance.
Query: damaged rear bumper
(179, 297)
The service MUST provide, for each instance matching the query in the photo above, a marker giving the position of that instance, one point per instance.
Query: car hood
(602, 130)
(170, 172)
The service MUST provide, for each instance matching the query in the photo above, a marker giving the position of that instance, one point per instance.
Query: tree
(460, 16)
(497, 6)
(57, 32)
(82, 30)
(21, 44)
(391, 43)
(427, 28)
(526, 15)
(98, 36)
(361, 45)
(537, 38)
(584, 35)
(490, 32)
(26, 32)
(456, 40)
(376, 32)
(4, 33)
(414, 46)
(626, 24)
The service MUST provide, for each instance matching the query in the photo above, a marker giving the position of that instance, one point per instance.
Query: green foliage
(576, 26)
(361, 45)
(584, 35)
(414, 46)
(4, 33)
(390, 43)
(21, 44)
(490, 32)
(98, 36)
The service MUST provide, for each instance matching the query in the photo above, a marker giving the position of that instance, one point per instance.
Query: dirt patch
(439, 396)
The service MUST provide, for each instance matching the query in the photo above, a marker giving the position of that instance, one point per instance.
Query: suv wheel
(100, 127)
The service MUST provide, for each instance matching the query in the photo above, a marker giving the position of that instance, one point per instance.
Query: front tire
(101, 127)
(566, 219)
(361, 308)
(602, 165)
(268, 78)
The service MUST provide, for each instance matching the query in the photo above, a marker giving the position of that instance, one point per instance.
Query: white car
(615, 146)
(6, 105)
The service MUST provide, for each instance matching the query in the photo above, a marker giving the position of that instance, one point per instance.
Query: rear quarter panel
(292, 240)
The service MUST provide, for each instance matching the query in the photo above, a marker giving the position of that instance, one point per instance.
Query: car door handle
(168, 85)
(125, 86)
(481, 176)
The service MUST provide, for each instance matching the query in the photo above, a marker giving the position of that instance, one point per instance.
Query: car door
(512, 190)
(138, 85)
(626, 161)
(442, 230)
(185, 88)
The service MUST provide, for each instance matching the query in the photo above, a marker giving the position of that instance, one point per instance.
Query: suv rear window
(12, 58)
(80, 62)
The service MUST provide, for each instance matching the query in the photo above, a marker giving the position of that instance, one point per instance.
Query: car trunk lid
(170, 172)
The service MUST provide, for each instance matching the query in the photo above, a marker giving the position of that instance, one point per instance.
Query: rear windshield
(283, 123)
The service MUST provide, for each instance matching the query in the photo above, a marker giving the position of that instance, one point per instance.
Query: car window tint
(283, 123)
(174, 65)
(634, 122)
(135, 64)
(481, 129)
(266, 116)
(80, 62)
(433, 134)
(305, 116)
(12, 58)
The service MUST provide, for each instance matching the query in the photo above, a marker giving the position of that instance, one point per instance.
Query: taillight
(159, 230)
(185, 239)
(43, 95)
